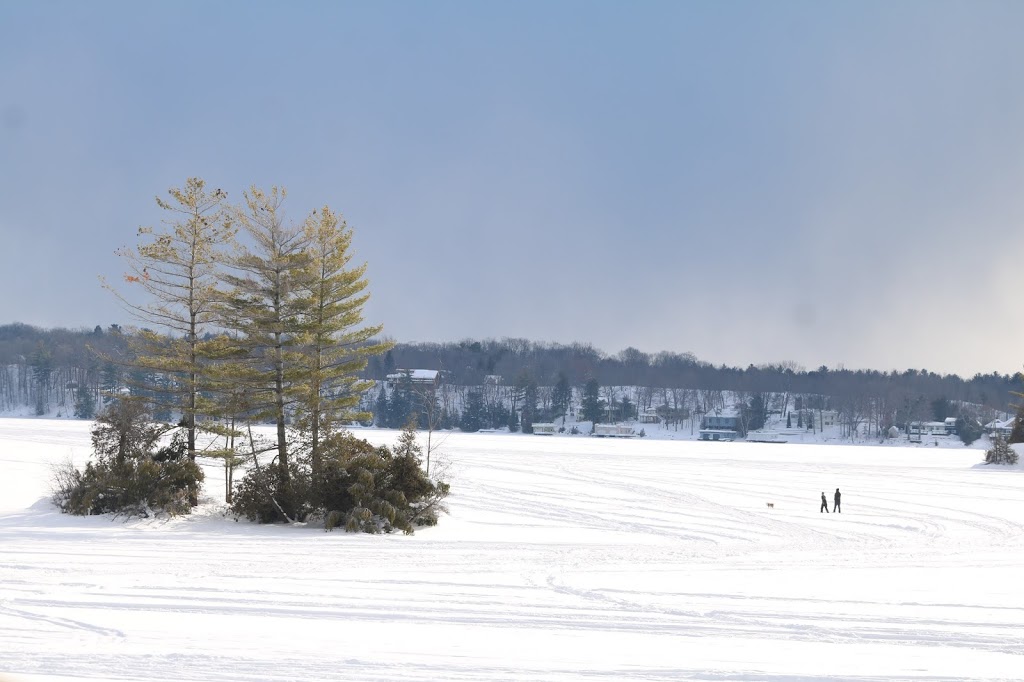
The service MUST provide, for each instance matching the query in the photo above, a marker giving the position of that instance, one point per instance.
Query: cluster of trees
(247, 319)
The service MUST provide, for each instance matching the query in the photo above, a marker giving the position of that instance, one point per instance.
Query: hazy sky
(828, 183)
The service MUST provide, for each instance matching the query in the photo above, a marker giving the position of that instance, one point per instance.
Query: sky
(821, 183)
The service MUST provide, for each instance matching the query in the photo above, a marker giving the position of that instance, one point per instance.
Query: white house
(927, 429)
(1000, 427)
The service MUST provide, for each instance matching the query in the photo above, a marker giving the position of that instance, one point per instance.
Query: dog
(771, 505)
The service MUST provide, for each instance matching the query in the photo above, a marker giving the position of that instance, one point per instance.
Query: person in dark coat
(835, 507)
(824, 503)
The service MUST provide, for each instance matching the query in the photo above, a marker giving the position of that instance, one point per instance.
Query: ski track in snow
(563, 559)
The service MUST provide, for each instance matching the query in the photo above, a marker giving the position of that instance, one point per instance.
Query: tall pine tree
(263, 313)
(591, 408)
(561, 396)
(175, 266)
(333, 347)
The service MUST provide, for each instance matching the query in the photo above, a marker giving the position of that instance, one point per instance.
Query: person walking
(835, 507)
(824, 503)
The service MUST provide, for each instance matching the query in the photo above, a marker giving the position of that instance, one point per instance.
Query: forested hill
(50, 367)
(469, 362)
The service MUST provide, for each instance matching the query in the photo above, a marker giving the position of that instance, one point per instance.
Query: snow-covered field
(562, 559)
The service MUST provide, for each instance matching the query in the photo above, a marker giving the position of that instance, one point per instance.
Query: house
(950, 423)
(613, 431)
(417, 377)
(544, 429)
(918, 429)
(999, 427)
(713, 421)
(715, 427)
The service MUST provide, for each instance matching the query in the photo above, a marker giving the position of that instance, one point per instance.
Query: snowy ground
(563, 559)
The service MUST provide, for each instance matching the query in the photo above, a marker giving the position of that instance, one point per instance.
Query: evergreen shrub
(1001, 453)
(130, 475)
(261, 496)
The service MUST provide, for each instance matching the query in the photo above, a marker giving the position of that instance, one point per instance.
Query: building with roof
(417, 377)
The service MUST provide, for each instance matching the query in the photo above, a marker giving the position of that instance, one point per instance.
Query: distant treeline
(67, 371)
(468, 363)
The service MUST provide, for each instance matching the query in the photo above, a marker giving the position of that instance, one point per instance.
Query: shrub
(376, 489)
(261, 496)
(355, 485)
(1001, 453)
(128, 475)
(342, 455)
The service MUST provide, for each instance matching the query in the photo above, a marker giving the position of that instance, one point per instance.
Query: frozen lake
(563, 558)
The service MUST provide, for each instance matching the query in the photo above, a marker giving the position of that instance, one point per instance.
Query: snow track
(564, 558)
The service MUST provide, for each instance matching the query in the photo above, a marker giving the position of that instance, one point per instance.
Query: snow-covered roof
(414, 374)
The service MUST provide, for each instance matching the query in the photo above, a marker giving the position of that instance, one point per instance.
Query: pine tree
(263, 314)
(529, 406)
(1017, 432)
(513, 421)
(110, 378)
(400, 403)
(175, 266)
(626, 408)
(1001, 453)
(380, 408)
(969, 429)
(333, 346)
(473, 413)
(591, 408)
(85, 403)
(561, 396)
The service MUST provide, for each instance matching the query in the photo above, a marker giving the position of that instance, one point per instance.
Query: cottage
(543, 429)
